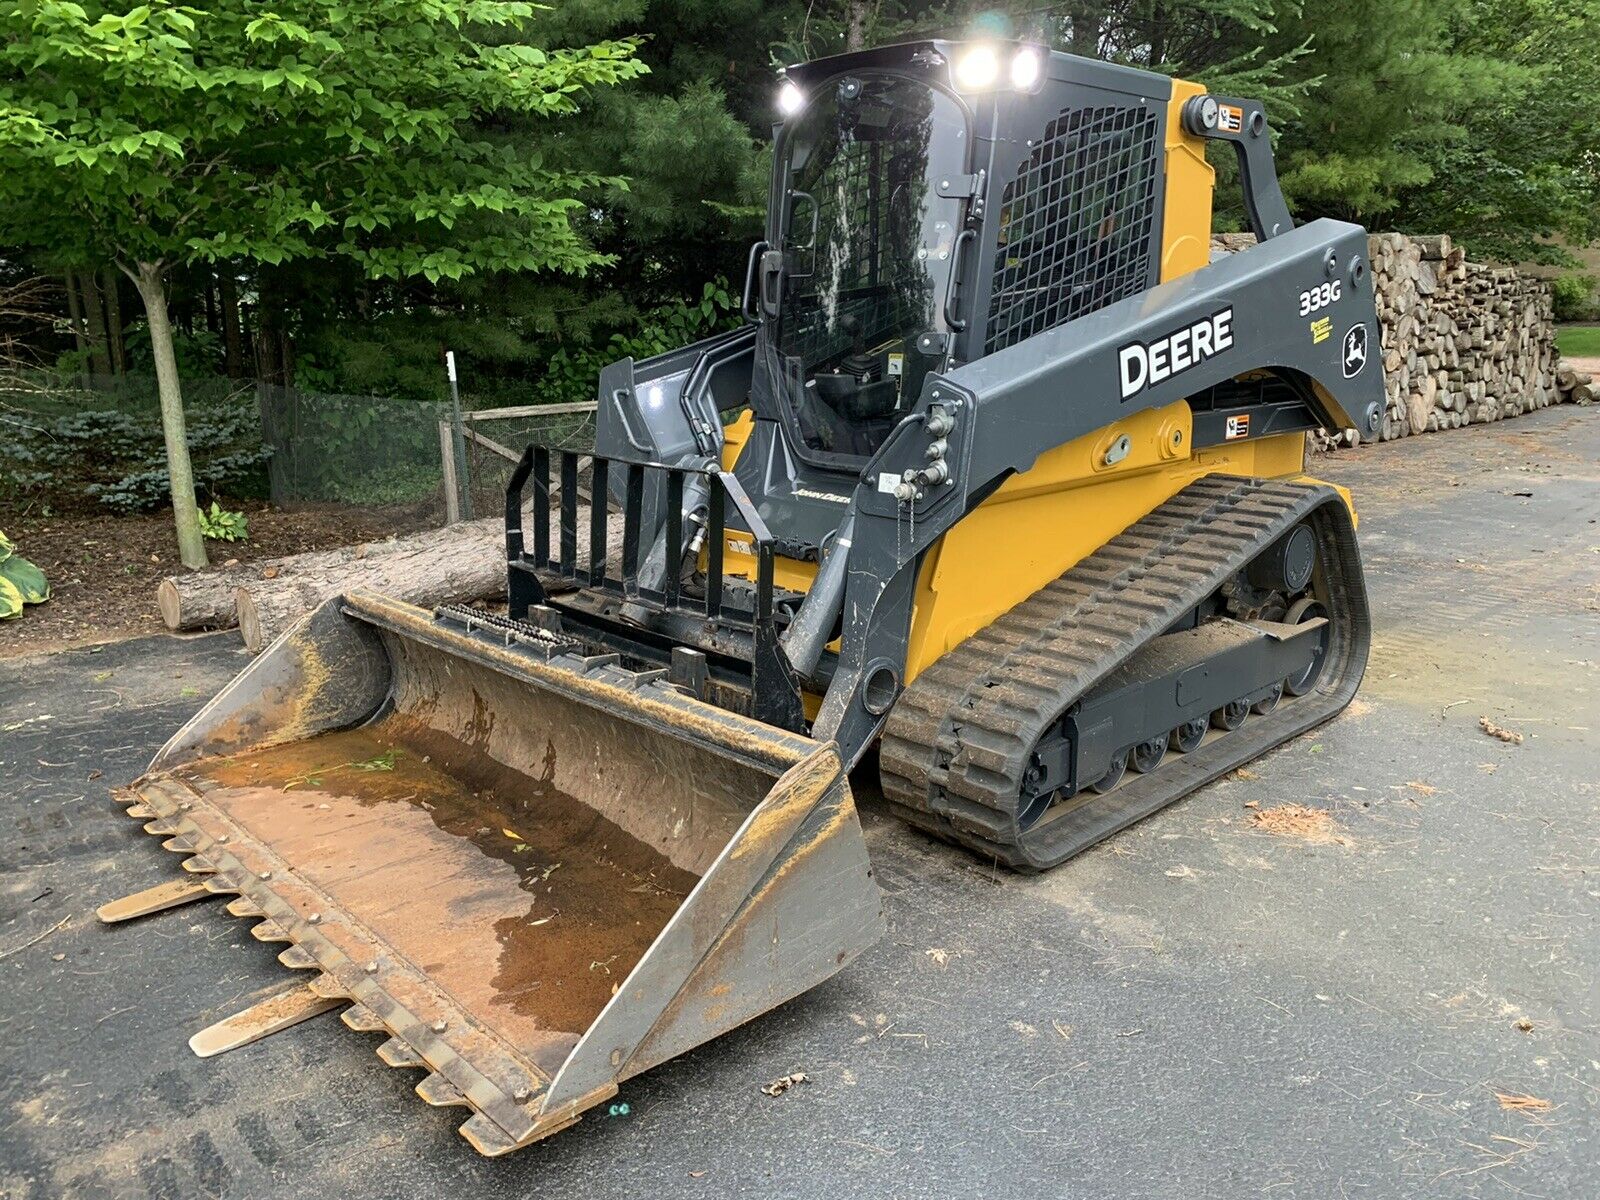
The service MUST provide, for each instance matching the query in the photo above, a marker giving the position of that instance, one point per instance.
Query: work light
(978, 68)
(790, 99)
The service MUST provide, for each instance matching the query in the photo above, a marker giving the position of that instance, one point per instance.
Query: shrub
(114, 456)
(220, 525)
(21, 583)
(1575, 297)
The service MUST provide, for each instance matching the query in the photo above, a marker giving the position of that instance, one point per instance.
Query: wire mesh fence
(96, 445)
(366, 450)
(493, 441)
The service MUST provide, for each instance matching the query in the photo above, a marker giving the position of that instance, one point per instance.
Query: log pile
(1462, 343)
(1576, 387)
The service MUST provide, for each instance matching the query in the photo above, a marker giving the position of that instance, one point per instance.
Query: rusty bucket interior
(537, 873)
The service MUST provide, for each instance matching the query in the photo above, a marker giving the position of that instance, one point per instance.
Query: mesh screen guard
(1077, 222)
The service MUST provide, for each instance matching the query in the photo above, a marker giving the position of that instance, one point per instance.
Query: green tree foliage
(164, 134)
(1525, 166)
(380, 181)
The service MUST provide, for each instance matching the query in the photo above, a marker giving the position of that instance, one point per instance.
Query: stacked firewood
(1462, 342)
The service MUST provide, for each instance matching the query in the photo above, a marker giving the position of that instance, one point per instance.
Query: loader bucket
(538, 873)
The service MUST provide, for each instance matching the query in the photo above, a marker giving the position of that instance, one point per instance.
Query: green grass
(1579, 341)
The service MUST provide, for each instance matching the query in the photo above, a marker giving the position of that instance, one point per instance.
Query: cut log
(440, 566)
(1435, 248)
(205, 599)
(201, 599)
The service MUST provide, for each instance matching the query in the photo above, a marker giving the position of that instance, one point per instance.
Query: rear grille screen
(1076, 223)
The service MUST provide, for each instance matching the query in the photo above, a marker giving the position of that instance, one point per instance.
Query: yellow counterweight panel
(1042, 522)
(734, 435)
(1186, 216)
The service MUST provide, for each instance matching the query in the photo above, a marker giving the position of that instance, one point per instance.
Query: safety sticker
(888, 481)
(1321, 330)
(897, 364)
(1238, 427)
(1230, 118)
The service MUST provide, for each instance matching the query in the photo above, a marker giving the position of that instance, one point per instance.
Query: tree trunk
(99, 364)
(119, 349)
(205, 599)
(152, 287)
(440, 566)
(855, 34)
(232, 349)
(75, 311)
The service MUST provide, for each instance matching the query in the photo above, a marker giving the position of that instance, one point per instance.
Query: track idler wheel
(1189, 735)
(1307, 609)
(1147, 756)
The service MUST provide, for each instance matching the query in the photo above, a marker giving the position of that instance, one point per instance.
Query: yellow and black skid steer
(1001, 476)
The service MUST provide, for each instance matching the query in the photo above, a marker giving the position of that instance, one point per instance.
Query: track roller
(1147, 756)
(1189, 735)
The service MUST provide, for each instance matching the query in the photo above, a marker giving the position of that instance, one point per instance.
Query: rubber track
(956, 744)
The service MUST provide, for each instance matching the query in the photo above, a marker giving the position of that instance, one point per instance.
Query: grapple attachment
(538, 873)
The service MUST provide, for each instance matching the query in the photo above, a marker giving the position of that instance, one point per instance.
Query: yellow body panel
(1186, 215)
(1040, 523)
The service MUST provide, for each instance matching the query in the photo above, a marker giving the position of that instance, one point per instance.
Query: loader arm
(1007, 408)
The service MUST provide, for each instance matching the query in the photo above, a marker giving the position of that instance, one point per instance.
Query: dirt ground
(103, 570)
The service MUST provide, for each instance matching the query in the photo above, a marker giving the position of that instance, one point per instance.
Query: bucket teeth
(440, 1092)
(398, 1054)
(489, 1140)
(151, 900)
(261, 1020)
(243, 906)
(163, 827)
(362, 1019)
(269, 931)
(140, 811)
(297, 958)
(195, 865)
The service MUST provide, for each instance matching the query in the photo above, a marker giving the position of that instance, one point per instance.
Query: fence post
(447, 459)
(463, 478)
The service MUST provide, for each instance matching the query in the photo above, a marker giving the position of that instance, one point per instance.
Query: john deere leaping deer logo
(1355, 350)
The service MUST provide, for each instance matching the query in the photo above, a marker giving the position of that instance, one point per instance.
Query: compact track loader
(1001, 477)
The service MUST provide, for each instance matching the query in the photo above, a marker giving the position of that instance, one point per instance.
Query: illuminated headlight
(1026, 67)
(978, 68)
(790, 99)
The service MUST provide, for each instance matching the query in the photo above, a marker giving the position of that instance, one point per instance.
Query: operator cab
(854, 294)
